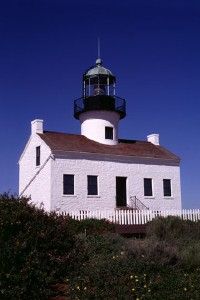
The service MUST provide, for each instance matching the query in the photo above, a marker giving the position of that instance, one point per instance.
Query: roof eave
(170, 160)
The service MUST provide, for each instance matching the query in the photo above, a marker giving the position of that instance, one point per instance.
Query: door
(120, 191)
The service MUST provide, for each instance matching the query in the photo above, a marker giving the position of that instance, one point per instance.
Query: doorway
(121, 191)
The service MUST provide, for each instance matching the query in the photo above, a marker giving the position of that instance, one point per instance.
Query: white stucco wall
(107, 170)
(93, 125)
(39, 189)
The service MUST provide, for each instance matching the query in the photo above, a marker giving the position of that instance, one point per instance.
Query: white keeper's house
(97, 170)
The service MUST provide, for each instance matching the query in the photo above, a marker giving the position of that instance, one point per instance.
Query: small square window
(68, 184)
(108, 133)
(167, 187)
(148, 191)
(38, 156)
(92, 185)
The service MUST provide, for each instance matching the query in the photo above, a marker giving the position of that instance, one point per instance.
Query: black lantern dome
(99, 92)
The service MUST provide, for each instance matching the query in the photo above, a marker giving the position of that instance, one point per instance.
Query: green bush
(157, 267)
(156, 252)
(99, 244)
(42, 255)
(35, 249)
(180, 237)
(94, 226)
(173, 228)
(190, 254)
(114, 273)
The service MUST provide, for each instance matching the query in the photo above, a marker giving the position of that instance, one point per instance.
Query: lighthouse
(97, 170)
(99, 110)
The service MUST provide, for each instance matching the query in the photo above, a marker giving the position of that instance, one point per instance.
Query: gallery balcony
(100, 102)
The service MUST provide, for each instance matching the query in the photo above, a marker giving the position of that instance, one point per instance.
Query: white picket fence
(132, 217)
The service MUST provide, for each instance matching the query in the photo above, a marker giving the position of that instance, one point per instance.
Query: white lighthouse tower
(99, 109)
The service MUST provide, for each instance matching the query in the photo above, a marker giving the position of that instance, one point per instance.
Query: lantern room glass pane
(99, 85)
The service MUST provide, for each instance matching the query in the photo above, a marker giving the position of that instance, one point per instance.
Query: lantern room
(98, 81)
(99, 92)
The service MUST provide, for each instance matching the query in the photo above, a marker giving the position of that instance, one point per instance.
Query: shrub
(35, 249)
(190, 254)
(115, 275)
(95, 226)
(180, 238)
(111, 267)
(156, 252)
(44, 254)
(99, 244)
(173, 228)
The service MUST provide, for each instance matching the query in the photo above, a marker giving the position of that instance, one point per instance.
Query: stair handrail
(137, 204)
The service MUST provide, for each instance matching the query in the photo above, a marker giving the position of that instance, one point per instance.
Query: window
(167, 187)
(38, 156)
(108, 133)
(148, 187)
(92, 185)
(68, 184)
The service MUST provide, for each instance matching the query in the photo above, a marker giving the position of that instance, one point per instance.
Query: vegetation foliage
(44, 255)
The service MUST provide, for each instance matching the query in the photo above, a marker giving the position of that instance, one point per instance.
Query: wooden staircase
(133, 230)
(136, 230)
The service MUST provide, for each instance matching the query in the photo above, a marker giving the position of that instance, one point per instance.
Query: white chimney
(37, 126)
(153, 138)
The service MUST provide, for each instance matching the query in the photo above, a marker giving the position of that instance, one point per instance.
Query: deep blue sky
(153, 47)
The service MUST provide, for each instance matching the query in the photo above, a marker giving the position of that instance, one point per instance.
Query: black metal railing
(100, 102)
(137, 204)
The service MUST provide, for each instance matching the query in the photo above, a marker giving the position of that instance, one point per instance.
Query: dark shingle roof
(58, 141)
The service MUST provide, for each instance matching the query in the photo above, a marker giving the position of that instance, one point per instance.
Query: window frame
(65, 193)
(38, 156)
(109, 133)
(89, 185)
(152, 191)
(170, 186)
